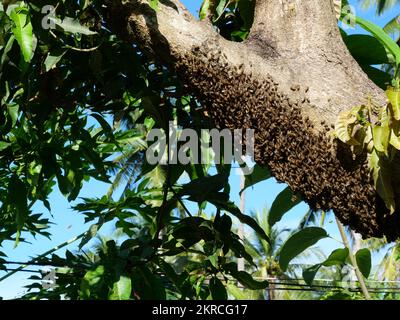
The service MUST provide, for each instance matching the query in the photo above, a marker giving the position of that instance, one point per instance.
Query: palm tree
(265, 256)
(393, 26)
(381, 5)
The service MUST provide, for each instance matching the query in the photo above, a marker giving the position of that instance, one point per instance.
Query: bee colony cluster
(304, 157)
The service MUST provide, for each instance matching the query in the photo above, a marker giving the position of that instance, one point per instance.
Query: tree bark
(289, 81)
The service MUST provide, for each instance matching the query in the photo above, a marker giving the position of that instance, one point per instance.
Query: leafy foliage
(77, 104)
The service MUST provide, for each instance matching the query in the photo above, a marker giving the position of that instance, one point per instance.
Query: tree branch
(288, 81)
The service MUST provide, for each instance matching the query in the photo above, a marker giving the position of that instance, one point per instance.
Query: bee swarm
(305, 157)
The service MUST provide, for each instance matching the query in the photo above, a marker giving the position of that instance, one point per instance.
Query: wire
(25, 270)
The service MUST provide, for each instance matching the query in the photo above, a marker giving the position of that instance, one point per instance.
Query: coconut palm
(381, 5)
(393, 26)
(265, 256)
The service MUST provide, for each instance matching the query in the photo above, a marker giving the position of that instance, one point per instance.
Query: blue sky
(68, 224)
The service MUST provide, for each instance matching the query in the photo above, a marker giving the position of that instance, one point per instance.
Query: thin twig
(43, 255)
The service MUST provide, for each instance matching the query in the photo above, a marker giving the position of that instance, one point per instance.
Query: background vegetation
(77, 104)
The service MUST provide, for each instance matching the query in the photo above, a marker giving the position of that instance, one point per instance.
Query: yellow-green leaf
(395, 140)
(382, 181)
(381, 136)
(344, 127)
(394, 99)
(121, 289)
(205, 9)
(23, 32)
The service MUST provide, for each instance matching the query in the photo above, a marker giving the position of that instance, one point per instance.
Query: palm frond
(393, 27)
(381, 5)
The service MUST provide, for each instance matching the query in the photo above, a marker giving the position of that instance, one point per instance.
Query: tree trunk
(289, 81)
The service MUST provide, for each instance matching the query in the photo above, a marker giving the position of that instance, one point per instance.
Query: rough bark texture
(288, 81)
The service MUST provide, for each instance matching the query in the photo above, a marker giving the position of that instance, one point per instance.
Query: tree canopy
(83, 83)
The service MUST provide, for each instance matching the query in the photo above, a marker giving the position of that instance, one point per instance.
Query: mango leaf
(363, 258)
(393, 26)
(12, 110)
(246, 9)
(18, 198)
(379, 77)
(217, 289)
(233, 209)
(382, 36)
(147, 285)
(91, 279)
(23, 32)
(344, 127)
(200, 188)
(154, 4)
(394, 100)
(52, 59)
(299, 242)
(259, 174)
(72, 26)
(91, 233)
(204, 9)
(395, 140)
(121, 289)
(366, 49)
(4, 145)
(382, 181)
(220, 8)
(381, 136)
(310, 273)
(285, 201)
(337, 257)
(245, 278)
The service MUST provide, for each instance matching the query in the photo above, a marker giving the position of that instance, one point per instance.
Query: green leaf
(23, 32)
(204, 9)
(220, 8)
(285, 201)
(4, 145)
(345, 124)
(52, 59)
(393, 26)
(299, 242)
(121, 289)
(337, 257)
(245, 278)
(394, 100)
(246, 9)
(217, 289)
(381, 136)
(259, 174)
(382, 36)
(91, 279)
(147, 285)
(154, 4)
(366, 49)
(382, 180)
(18, 197)
(13, 111)
(363, 258)
(199, 189)
(379, 77)
(72, 26)
(233, 209)
(395, 140)
(91, 233)
(309, 273)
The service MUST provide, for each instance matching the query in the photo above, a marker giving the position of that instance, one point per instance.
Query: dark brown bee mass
(308, 160)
